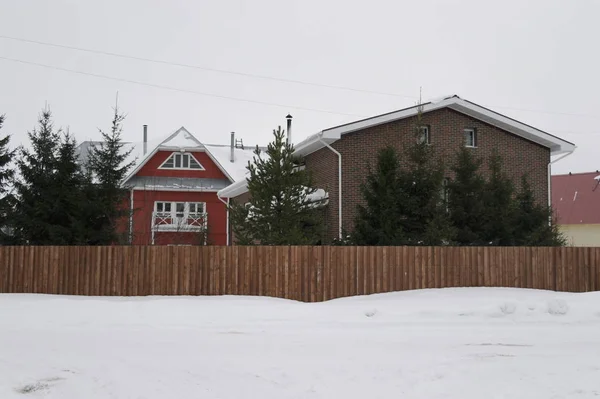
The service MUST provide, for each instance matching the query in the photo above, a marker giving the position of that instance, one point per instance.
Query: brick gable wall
(360, 148)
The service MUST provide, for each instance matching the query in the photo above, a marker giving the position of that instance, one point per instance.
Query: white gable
(181, 139)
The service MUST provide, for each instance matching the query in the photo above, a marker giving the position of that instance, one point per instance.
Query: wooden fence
(302, 273)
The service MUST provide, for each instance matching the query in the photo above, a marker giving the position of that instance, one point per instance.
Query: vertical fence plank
(198, 267)
(594, 270)
(256, 269)
(4, 283)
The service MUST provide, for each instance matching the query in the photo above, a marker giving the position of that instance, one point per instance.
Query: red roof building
(576, 204)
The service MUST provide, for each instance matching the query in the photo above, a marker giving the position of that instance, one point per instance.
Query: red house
(173, 189)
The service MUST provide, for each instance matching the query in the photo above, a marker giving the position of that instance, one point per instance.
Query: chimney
(145, 139)
(232, 157)
(289, 129)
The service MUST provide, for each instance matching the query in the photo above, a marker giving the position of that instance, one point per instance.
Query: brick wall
(240, 199)
(360, 148)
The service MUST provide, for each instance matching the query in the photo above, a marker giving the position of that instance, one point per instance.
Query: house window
(163, 208)
(196, 208)
(179, 160)
(470, 138)
(423, 135)
(179, 209)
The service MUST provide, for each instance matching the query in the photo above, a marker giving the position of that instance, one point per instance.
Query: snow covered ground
(451, 343)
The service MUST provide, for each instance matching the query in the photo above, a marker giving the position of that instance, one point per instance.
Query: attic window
(179, 160)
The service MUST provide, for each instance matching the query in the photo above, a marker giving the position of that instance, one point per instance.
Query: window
(179, 160)
(163, 208)
(423, 135)
(179, 209)
(470, 137)
(196, 208)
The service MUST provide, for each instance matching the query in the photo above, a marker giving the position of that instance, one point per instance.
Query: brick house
(338, 156)
(173, 188)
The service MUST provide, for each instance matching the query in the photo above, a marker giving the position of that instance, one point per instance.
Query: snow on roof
(328, 136)
(237, 170)
(179, 183)
(181, 139)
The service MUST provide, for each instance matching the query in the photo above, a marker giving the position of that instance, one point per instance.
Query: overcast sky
(536, 61)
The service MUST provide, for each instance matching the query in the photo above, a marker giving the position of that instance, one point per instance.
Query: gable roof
(328, 136)
(555, 144)
(182, 139)
(576, 198)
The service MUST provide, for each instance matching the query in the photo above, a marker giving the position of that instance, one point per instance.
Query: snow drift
(449, 343)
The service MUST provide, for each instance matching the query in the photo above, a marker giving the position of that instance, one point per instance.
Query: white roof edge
(234, 189)
(555, 144)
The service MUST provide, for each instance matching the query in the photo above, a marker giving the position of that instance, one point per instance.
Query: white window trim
(181, 168)
(186, 208)
(472, 131)
(427, 129)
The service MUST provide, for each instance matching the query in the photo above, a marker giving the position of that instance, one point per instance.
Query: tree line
(48, 196)
(412, 202)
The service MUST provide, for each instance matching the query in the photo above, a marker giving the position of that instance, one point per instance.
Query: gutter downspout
(227, 222)
(550, 173)
(131, 218)
(339, 186)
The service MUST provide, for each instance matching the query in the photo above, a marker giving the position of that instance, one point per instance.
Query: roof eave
(233, 190)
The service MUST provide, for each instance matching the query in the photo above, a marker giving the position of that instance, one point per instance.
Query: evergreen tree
(279, 211)
(108, 166)
(32, 218)
(532, 227)
(499, 215)
(68, 224)
(6, 175)
(466, 202)
(423, 209)
(379, 221)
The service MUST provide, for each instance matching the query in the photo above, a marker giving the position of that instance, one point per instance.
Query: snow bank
(449, 343)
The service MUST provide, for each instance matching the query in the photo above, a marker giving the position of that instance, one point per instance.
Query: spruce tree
(532, 221)
(33, 217)
(108, 166)
(466, 202)
(6, 175)
(379, 221)
(279, 211)
(500, 207)
(423, 209)
(68, 222)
